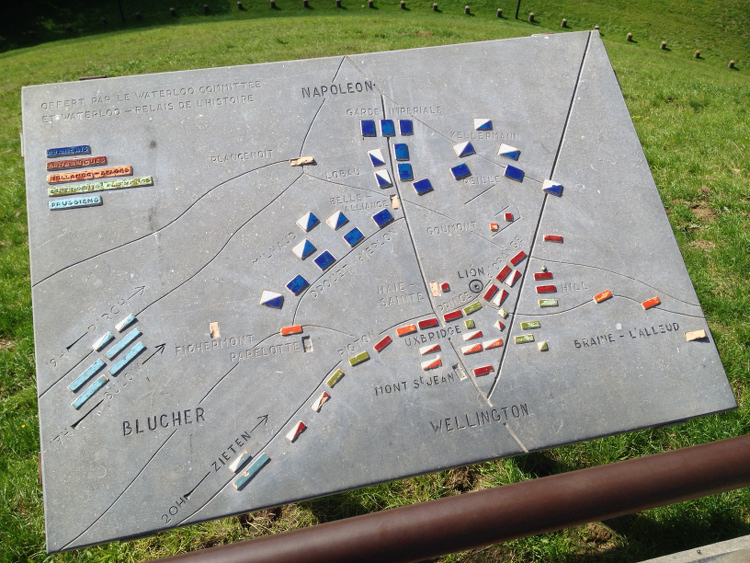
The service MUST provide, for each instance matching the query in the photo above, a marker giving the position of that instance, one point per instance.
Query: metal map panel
(318, 275)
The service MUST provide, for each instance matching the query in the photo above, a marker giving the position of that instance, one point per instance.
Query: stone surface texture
(206, 248)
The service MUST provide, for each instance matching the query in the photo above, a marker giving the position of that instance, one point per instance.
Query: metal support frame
(480, 518)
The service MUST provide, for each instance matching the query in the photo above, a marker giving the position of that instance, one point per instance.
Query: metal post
(475, 519)
(518, 7)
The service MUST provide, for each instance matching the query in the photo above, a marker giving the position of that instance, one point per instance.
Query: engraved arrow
(76, 341)
(159, 350)
(187, 495)
(138, 290)
(77, 422)
(263, 420)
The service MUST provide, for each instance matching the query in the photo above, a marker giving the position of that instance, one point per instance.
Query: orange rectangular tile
(289, 330)
(603, 296)
(653, 302)
(94, 174)
(407, 329)
(472, 349)
(76, 162)
(490, 344)
(431, 364)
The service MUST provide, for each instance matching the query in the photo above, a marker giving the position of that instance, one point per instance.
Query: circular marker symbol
(476, 286)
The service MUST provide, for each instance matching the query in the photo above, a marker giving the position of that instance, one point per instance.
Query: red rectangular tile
(448, 317)
(491, 291)
(553, 238)
(483, 370)
(518, 258)
(546, 289)
(382, 344)
(542, 276)
(503, 274)
(428, 323)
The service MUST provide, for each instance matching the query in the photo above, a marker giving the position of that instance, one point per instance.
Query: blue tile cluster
(387, 127)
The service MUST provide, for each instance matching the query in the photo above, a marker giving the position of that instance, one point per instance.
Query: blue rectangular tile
(405, 173)
(69, 151)
(513, 173)
(86, 375)
(250, 472)
(324, 260)
(353, 237)
(387, 128)
(74, 202)
(122, 344)
(406, 126)
(460, 171)
(89, 392)
(297, 285)
(422, 186)
(382, 218)
(127, 358)
(401, 150)
(368, 128)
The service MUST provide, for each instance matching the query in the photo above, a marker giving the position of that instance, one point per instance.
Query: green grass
(692, 117)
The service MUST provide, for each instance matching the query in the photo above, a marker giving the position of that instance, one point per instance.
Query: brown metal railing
(475, 519)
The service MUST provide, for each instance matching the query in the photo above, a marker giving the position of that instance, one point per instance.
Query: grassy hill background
(693, 119)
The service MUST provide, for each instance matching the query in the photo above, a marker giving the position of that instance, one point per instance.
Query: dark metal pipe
(475, 519)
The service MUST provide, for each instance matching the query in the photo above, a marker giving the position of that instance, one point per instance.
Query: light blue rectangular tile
(88, 393)
(122, 344)
(86, 375)
(252, 469)
(127, 358)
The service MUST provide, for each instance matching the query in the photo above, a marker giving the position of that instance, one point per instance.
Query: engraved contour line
(123, 491)
(541, 210)
(174, 220)
(215, 385)
(282, 427)
(215, 256)
(326, 272)
(631, 278)
(63, 376)
(591, 301)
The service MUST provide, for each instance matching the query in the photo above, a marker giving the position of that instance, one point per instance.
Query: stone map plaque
(265, 283)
